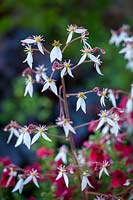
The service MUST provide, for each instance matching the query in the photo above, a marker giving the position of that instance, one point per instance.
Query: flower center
(56, 43)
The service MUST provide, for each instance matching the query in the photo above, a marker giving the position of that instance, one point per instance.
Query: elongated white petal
(66, 179)
(98, 69)
(69, 37)
(45, 87)
(59, 53)
(80, 30)
(100, 173)
(45, 137)
(78, 104)
(29, 89)
(100, 124)
(102, 102)
(70, 72)
(110, 122)
(19, 140)
(58, 176)
(71, 128)
(83, 105)
(53, 88)
(105, 170)
(19, 186)
(63, 71)
(66, 130)
(27, 140)
(27, 180)
(40, 47)
(82, 59)
(28, 41)
(88, 182)
(93, 58)
(35, 138)
(10, 137)
(35, 181)
(83, 183)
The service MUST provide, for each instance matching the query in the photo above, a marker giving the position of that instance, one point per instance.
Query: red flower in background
(118, 179)
(43, 152)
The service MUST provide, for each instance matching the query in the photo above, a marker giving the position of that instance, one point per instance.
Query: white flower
(41, 131)
(85, 181)
(104, 169)
(35, 40)
(24, 137)
(118, 38)
(127, 183)
(112, 97)
(29, 86)
(115, 129)
(66, 124)
(97, 63)
(29, 58)
(50, 83)
(66, 69)
(74, 29)
(40, 73)
(128, 51)
(103, 96)
(32, 177)
(13, 131)
(81, 102)
(11, 174)
(62, 173)
(62, 155)
(56, 52)
(131, 93)
(19, 185)
(105, 118)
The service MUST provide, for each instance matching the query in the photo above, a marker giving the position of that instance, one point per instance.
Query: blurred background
(20, 19)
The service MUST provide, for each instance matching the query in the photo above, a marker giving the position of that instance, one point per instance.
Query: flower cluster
(94, 171)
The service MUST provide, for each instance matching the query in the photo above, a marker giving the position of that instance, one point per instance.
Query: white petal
(28, 41)
(71, 128)
(45, 87)
(58, 157)
(35, 138)
(53, 88)
(106, 172)
(102, 101)
(27, 180)
(64, 158)
(83, 105)
(83, 183)
(80, 30)
(78, 104)
(82, 59)
(70, 72)
(27, 140)
(100, 173)
(100, 124)
(110, 122)
(35, 182)
(29, 59)
(93, 58)
(98, 69)
(19, 140)
(18, 186)
(58, 176)
(10, 137)
(66, 130)
(66, 179)
(46, 137)
(59, 53)
(40, 47)
(63, 71)
(69, 37)
(89, 183)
